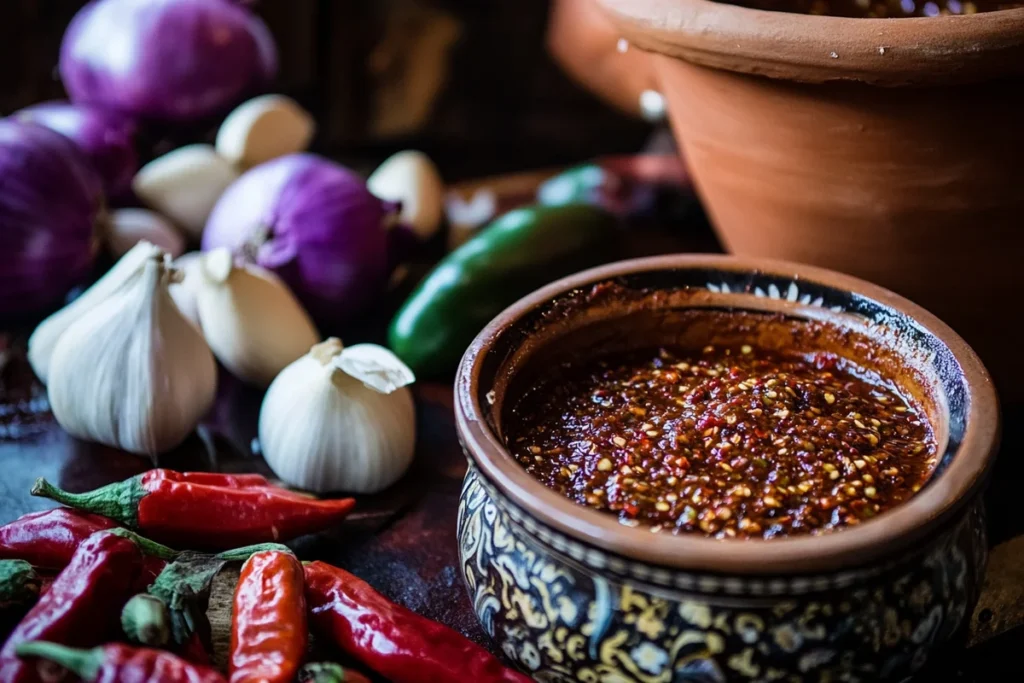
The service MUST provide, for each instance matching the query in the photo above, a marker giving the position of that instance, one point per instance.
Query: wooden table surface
(403, 540)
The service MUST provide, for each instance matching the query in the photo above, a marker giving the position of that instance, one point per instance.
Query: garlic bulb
(340, 419)
(251, 320)
(134, 373)
(128, 227)
(410, 177)
(44, 338)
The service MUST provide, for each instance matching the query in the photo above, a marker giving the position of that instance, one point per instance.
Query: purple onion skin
(314, 223)
(167, 60)
(105, 137)
(50, 201)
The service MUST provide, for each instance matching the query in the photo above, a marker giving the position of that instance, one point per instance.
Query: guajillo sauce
(882, 9)
(726, 442)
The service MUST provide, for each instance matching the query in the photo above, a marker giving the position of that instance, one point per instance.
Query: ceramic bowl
(884, 148)
(570, 594)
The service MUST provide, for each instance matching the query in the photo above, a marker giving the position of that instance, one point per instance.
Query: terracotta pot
(570, 594)
(886, 148)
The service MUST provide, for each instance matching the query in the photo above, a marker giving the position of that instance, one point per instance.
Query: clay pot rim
(886, 535)
(941, 50)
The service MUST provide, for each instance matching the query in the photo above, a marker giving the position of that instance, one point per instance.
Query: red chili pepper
(397, 643)
(268, 627)
(83, 605)
(118, 663)
(194, 650)
(233, 481)
(184, 587)
(48, 539)
(201, 515)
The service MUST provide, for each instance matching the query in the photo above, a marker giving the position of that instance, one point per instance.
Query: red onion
(174, 60)
(50, 201)
(315, 224)
(107, 138)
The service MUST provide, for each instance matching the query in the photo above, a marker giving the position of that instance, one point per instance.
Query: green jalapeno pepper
(517, 253)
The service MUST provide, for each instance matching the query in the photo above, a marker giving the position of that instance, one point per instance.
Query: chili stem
(244, 553)
(118, 501)
(151, 548)
(83, 663)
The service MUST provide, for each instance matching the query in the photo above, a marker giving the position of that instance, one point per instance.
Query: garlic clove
(410, 177)
(128, 227)
(185, 291)
(134, 373)
(44, 339)
(251, 320)
(324, 429)
(184, 185)
(264, 128)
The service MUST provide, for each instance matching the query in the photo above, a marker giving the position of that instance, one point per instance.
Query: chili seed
(733, 437)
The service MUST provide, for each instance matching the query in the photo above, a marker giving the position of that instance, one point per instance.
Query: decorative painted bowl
(570, 594)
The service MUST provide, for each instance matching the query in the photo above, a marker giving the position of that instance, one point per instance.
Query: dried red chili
(82, 606)
(268, 625)
(115, 663)
(169, 508)
(729, 442)
(393, 641)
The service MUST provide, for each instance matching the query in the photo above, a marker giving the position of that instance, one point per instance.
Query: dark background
(502, 104)
(471, 83)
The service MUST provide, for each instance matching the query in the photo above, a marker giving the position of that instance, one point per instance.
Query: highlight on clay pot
(588, 46)
(885, 148)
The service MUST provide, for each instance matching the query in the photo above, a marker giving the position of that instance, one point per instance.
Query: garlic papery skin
(251, 320)
(185, 289)
(44, 339)
(134, 373)
(340, 419)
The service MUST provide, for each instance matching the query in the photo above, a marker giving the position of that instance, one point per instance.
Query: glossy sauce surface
(881, 9)
(726, 442)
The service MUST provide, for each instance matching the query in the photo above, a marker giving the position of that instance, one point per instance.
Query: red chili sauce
(882, 9)
(726, 442)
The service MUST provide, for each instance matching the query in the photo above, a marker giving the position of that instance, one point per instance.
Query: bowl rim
(848, 548)
(939, 50)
